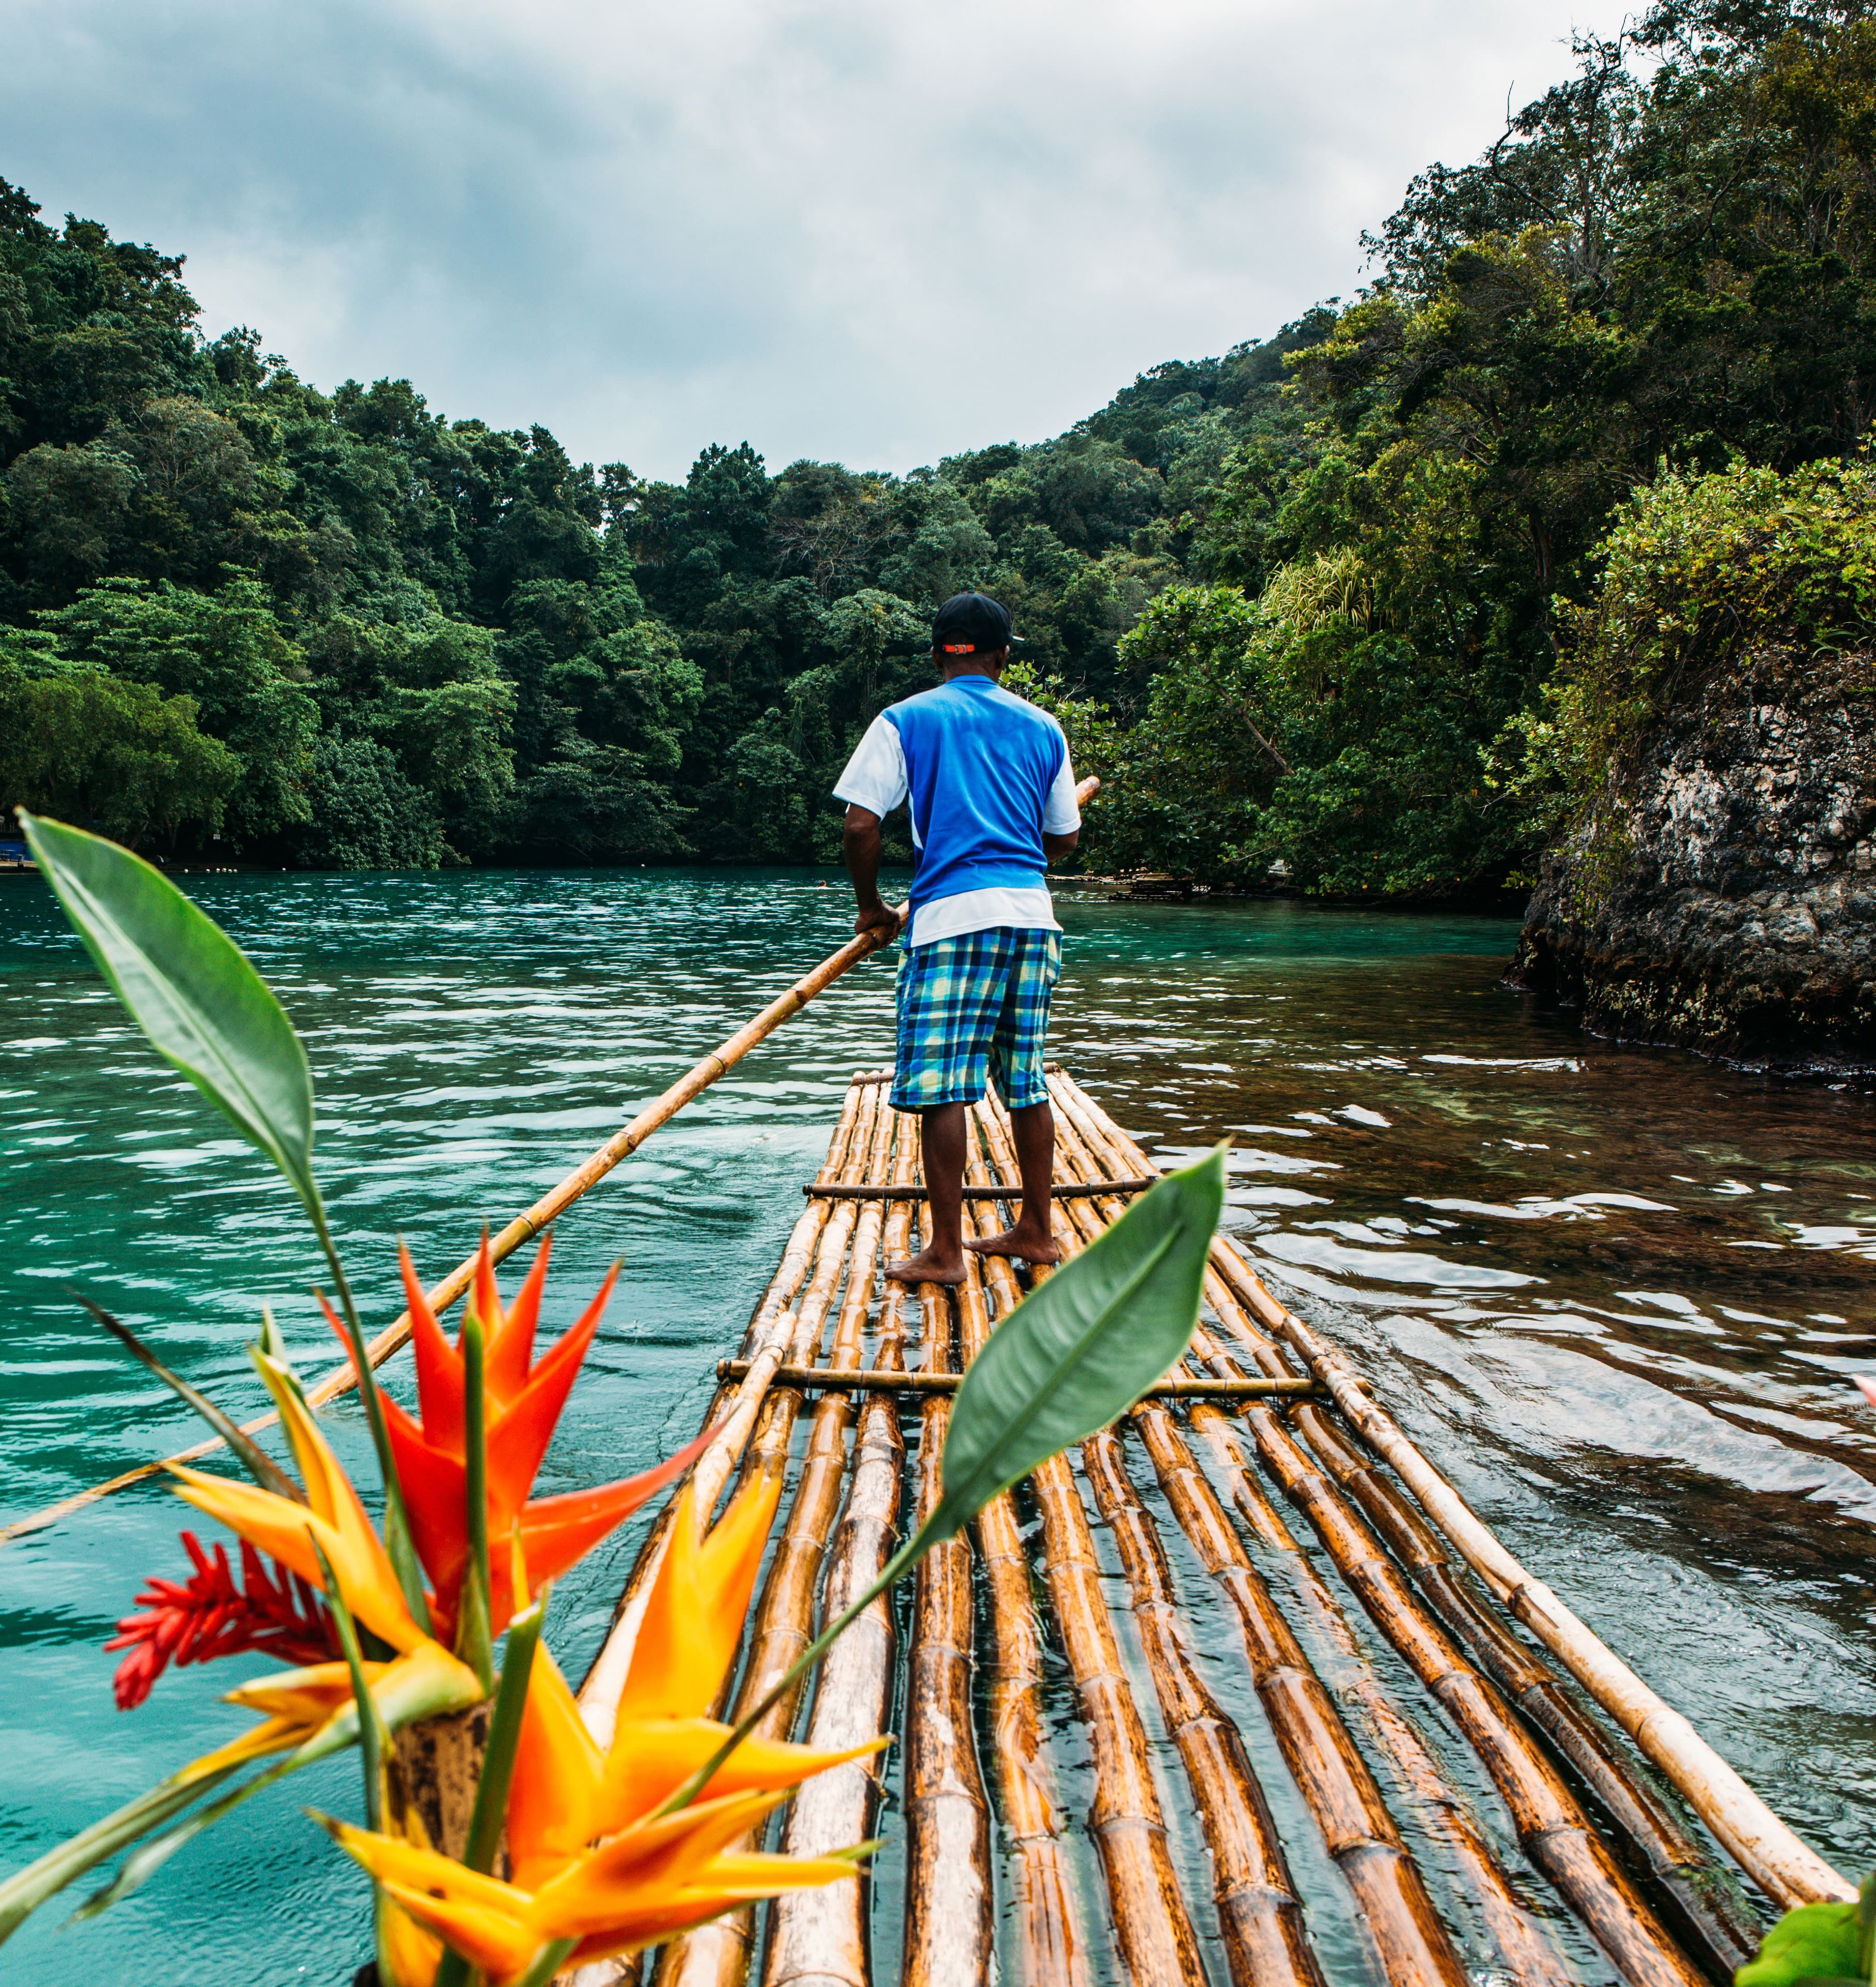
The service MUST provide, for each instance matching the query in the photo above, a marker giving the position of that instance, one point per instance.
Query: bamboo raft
(1585, 1798)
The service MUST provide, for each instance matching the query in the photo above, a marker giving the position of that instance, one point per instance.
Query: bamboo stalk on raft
(717, 1954)
(818, 1937)
(1525, 1948)
(1552, 1828)
(1395, 1909)
(1152, 1928)
(1259, 1913)
(1704, 1898)
(692, 1085)
(736, 1411)
(1770, 1852)
(949, 1931)
(1052, 1953)
(1527, 1952)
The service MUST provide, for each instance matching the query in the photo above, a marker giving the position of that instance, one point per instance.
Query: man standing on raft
(993, 803)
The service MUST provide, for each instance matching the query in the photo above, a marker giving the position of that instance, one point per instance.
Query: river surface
(1617, 1295)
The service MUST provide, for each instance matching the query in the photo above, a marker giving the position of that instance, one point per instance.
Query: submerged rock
(1722, 895)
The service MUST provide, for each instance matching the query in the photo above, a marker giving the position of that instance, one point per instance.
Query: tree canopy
(1307, 602)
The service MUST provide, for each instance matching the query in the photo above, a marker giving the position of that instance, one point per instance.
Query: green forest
(1331, 601)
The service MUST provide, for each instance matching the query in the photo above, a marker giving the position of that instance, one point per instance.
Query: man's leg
(941, 1140)
(945, 1017)
(1032, 1238)
(1016, 1069)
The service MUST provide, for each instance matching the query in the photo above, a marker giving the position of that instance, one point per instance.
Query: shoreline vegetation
(1339, 601)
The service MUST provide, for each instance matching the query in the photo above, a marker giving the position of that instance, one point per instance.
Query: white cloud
(848, 228)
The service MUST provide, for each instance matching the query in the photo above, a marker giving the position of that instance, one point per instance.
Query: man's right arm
(860, 850)
(874, 774)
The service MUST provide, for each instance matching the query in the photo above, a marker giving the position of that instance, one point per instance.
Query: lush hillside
(1312, 601)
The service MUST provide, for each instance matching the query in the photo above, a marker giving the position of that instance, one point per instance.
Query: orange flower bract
(591, 1858)
(523, 1398)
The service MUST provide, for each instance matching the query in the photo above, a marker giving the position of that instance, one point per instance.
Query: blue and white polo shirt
(987, 775)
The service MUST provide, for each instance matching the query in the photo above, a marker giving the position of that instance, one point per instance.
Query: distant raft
(1590, 1797)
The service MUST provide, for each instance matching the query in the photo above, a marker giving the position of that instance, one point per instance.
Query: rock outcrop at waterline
(1722, 896)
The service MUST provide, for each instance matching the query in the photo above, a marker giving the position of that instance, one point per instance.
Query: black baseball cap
(971, 624)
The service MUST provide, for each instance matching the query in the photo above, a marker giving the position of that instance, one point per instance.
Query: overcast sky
(862, 230)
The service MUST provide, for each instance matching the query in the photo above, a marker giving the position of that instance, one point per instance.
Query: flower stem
(547, 1962)
(492, 1792)
(505, 1737)
(396, 1523)
(373, 1740)
(475, 1635)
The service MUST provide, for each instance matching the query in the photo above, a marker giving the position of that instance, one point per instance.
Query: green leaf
(1083, 1347)
(22, 1893)
(1813, 1942)
(144, 1861)
(189, 987)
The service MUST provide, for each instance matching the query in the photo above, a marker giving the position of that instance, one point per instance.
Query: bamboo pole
(1259, 1913)
(1395, 1911)
(717, 1954)
(1152, 1929)
(772, 1331)
(863, 1380)
(818, 1937)
(1047, 1929)
(662, 1108)
(1521, 1944)
(1704, 1898)
(948, 1934)
(1061, 1190)
(1786, 1868)
(548, 1208)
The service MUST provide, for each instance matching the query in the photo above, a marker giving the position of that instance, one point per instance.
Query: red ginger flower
(523, 1398)
(207, 1616)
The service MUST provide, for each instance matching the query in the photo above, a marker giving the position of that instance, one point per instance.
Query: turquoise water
(1616, 1292)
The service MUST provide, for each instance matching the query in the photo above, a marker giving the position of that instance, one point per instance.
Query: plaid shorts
(974, 1006)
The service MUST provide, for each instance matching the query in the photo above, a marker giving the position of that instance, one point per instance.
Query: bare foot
(1028, 1244)
(927, 1268)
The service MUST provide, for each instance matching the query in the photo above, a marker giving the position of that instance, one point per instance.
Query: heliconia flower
(642, 1888)
(313, 1709)
(525, 1396)
(207, 1616)
(331, 1514)
(591, 1858)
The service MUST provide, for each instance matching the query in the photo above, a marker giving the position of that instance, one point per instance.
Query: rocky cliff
(1722, 894)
